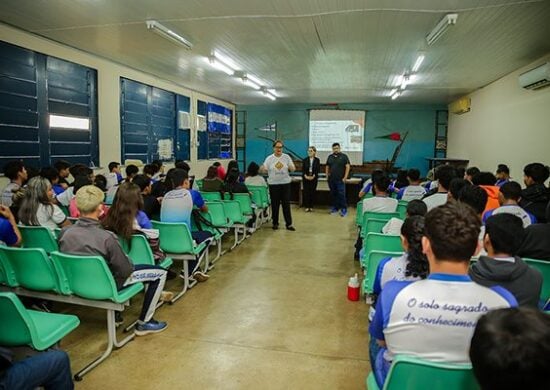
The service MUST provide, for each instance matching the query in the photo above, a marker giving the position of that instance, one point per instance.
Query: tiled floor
(274, 315)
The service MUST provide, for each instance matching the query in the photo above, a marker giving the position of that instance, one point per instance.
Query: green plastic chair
(544, 268)
(89, 277)
(199, 183)
(65, 210)
(216, 211)
(373, 225)
(36, 329)
(381, 242)
(211, 196)
(245, 201)
(384, 216)
(373, 259)
(30, 268)
(140, 252)
(234, 213)
(176, 241)
(412, 373)
(359, 214)
(39, 237)
(217, 234)
(402, 209)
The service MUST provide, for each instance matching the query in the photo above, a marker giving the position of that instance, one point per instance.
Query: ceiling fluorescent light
(268, 93)
(418, 62)
(254, 79)
(405, 81)
(393, 91)
(250, 83)
(395, 95)
(272, 91)
(225, 60)
(441, 27)
(220, 66)
(165, 32)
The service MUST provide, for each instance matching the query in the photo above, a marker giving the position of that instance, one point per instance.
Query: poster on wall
(219, 119)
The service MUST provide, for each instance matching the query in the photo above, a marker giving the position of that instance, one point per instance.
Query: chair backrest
(256, 196)
(175, 237)
(138, 250)
(402, 210)
(86, 276)
(233, 211)
(544, 268)
(382, 242)
(16, 328)
(264, 193)
(384, 216)
(199, 183)
(373, 260)
(32, 268)
(374, 225)
(359, 214)
(245, 201)
(217, 213)
(210, 196)
(38, 237)
(408, 372)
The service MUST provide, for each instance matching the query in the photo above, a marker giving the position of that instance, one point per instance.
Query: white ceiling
(310, 51)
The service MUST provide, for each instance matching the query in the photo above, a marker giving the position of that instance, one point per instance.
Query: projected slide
(342, 126)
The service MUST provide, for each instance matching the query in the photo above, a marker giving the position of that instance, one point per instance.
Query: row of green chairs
(400, 212)
(66, 278)
(544, 268)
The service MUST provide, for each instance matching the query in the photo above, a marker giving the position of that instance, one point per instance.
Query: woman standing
(311, 166)
(278, 165)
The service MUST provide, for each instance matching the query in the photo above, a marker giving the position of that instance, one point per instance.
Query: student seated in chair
(444, 175)
(536, 244)
(9, 232)
(502, 175)
(510, 349)
(434, 319)
(536, 196)
(86, 237)
(211, 182)
(381, 202)
(414, 190)
(369, 183)
(501, 267)
(50, 370)
(509, 198)
(151, 203)
(487, 180)
(177, 206)
(415, 207)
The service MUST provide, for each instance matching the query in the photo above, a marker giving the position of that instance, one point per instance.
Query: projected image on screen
(345, 127)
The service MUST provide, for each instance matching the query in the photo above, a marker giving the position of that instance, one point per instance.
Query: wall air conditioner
(460, 106)
(536, 78)
(183, 120)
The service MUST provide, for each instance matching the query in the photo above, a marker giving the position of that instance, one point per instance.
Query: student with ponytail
(412, 265)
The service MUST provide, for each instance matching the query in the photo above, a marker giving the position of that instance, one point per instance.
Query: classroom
(311, 194)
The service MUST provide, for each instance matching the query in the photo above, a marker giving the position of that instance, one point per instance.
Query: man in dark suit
(310, 176)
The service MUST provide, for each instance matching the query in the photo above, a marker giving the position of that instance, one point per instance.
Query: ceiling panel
(308, 50)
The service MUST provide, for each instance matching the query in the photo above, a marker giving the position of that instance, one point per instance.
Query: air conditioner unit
(461, 106)
(536, 78)
(183, 120)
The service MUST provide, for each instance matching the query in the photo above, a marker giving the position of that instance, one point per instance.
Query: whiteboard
(347, 127)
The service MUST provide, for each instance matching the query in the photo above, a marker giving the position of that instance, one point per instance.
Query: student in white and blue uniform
(414, 190)
(502, 174)
(509, 197)
(434, 319)
(369, 183)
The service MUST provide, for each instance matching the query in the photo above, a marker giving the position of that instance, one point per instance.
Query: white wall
(108, 81)
(506, 124)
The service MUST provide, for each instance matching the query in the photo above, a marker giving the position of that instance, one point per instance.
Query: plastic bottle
(353, 288)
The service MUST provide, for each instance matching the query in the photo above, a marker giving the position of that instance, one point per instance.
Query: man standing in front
(337, 171)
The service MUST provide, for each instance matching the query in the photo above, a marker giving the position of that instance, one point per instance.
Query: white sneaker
(200, 276)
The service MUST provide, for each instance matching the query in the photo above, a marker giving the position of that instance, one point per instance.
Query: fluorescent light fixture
(395, 95)
(447, 21)
(393, 91)
(225, 60)
(398, 80)
(254, 79)
(418, 62)
(165, 32)
(250, 83)
(405, 81)
(268, 93)
(220, 65)
(69, 122)
(272, 91)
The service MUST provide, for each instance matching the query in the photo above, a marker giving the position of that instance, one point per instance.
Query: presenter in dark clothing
(337, 171)
(311, 166)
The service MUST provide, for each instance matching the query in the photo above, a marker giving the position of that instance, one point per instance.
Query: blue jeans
(51, 370)
(338, 194)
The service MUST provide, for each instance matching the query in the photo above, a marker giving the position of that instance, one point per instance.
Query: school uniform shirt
(432, 319)
(50, 216)
(57, 189)
(526, 217)
(411, 193)
(380, 204)
(434, 200)
(391, 268)
(278, 169)
(7, 234)
(177, 205)
(393, 227)
(112, 180)
(143, 220)
(7, 193)
(255, 181)
(501, 182)
(368, 186)
(65, 197)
